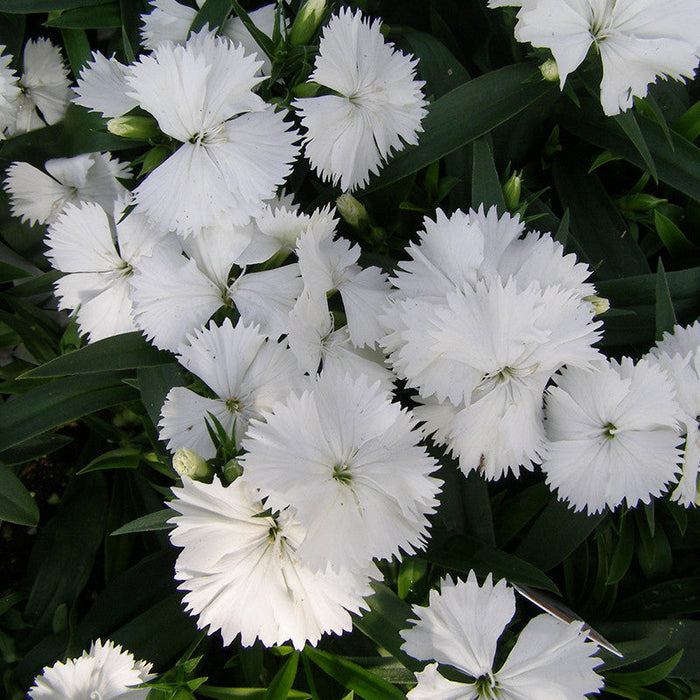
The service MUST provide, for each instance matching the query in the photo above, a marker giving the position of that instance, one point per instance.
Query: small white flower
(376, 105)
(235, 149)
(678, 354)
(246, 372)
(39, 197)
(461, 627)
(612, 435)
(244, 575)
(638, 41)
(97, 252)
(354, 473)
(107, 672)
(9, 93)
(44, 87)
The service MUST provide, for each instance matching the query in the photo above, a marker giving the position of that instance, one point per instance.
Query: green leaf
(623, 552)
(77, 47)
(31, 449)
(9, 273)
(607, 246)
(119, 352)
(556, 533)
(57, 403)
(464, 553)
(94, 17)
(672, 237)
(665, 313)
(602, 159)
(512, 516)
(486, 186)
(208, 691)
(667, 599)
(213, 13)
(65, 550)
(353, 677)
(16, 504)
(412, 574)
(466, 113)
(629, 125)
(689, 124)
(284, 678)
(22, 6)
(386, 617)
(648, 676)
(122, 458)
(147, 523)
(155, 383)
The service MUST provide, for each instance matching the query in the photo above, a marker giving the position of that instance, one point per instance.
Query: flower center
(234, 405)
(610, 430)
(486, 687)
(95, 695)
(342, 473)
(601, 21)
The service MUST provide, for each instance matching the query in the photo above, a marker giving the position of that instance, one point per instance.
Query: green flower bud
(306, 22)
(511, 191)
(600, 304)
(232, 470)
(187, 463)
(352, 210)
(141, 128)
(550, 71)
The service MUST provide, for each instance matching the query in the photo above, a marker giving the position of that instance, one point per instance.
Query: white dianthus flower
(461, 627)
(107, 672)
(354, 473)
(39, 197)
(9, 92)
(101, 87)
(247, 373)
(376, 105)
(678, 353)
(638, 40)
(612, 434)
(97, 250)
(235, 149)
(243, 574)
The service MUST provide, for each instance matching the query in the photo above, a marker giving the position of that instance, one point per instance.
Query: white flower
(678, 353)
(39, 197)
(235, 149)
(44, 86)
(107, 672)
(638, 41)
(9, 92)
(612, 435)
(171, 21)
(376, 107)
(247, 373)
(357, 479)
(174, 295)
(243, 573)
(461, 628)
(101, 87)
(98, 251)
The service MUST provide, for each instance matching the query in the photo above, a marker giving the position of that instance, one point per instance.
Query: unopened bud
(232, 470)
(352, 210)
(133, 127)
(306, 22)
(308, 89)
(600, 304)
(639, 202)
(550, 71)
(187, 463)
(511, 191)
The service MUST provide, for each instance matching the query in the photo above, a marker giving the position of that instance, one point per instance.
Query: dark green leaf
(9, 273)
(31, 449)
(16, 504)
(517, 511)
(147, 523)
(284, 678)
(486, 186)
(208, 691)
(556, 533)
(77, 47)
(354, 677)
(629, 125)
(59, 402)
(623, 552)
(463, 553)
(665, 313)
(155, 383)
(648, 676)
(672, 237)
(22, 6)
(412, 573)
(212, 13)
(466, 113)
(125, 351)
(689, 124)
(63, 555)
(122, 458)
(93, 17)
(667, 599)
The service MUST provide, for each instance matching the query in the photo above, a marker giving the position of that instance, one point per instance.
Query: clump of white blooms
(9, 93)
(97, 250)
(638, 40)
(678, 354)
(461, 627)
(612, 434)
(480, 320)
(249, 579)
(39, 197)
(107, 672)
(375, 105)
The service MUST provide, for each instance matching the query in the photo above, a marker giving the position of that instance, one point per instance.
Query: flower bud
(550, 71)
(352, 210)
(600, 304)
(306, 22)
(187, 463)
(133, 127)
(232, 470)
(511, 191)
